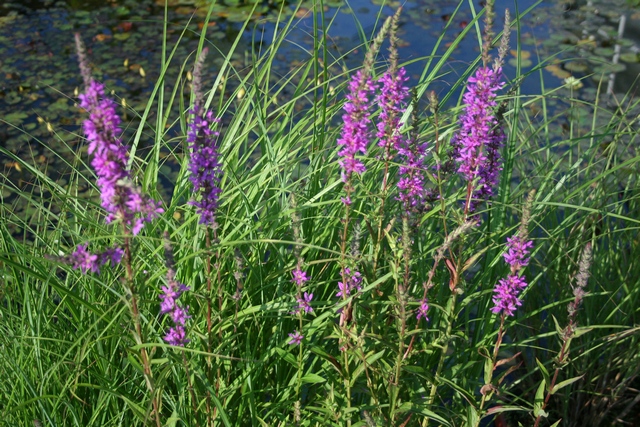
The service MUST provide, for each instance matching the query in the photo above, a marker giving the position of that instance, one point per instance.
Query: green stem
(486, 395)
(445, 347)
(135, 313)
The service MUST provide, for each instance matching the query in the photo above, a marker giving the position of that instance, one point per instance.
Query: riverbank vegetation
(338, 249)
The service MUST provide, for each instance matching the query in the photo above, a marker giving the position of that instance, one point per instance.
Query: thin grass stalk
(570, 330)
(135, 312)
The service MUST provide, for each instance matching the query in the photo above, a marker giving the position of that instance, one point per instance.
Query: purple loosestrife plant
(120, 197)
(176, 335)
(204, 166)
(355, 131)
(304, 303)
(412, 179)
(392, 99)
(476, 146)
(296, 338)
(85, 261)
(300, 277)
(507, 290)
(422, 310)
(353, 282)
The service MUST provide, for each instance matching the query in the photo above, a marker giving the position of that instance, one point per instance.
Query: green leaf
(581, 331)
(427, 413)
(559, 330)
(565, 383)
(544, 371)
(312, 379)
(287, 357)
(173, 419)
(488, 370)
(539, 401)
(505, 408)
(472, 416)
(372, 357)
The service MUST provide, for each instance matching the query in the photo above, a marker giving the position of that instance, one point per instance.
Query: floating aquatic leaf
(630, 57)
(576, 66)
(16, 118)
(523, 62)
(604, 51)
(610, 68)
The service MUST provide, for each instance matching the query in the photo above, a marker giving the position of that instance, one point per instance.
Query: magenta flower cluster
(85, 261)
(178, 314)
(300, 277)
(296, 338)
(422, 310)
(352, 282)
(355, 132)
(120, 198)
(507, 290)
(205, 167)
(392, 98)
(477, 144)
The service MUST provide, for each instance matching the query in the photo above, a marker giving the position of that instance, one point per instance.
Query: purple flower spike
(296, 338)
(353, 283)
(112, 255)
(412, 178)
(477, 144)
(507, 290)
(343, 290)
(355, 132)
(83, 260)
(120, 198)
(176, 336)
(205, 166)
(391, 99)
(169, 306)
(506, 299)
(517, 251)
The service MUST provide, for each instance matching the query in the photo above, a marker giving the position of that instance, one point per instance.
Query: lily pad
(610, 68)
(630, 57)
(16, 118)
(576, 66)
(604, 51)
(523, 62)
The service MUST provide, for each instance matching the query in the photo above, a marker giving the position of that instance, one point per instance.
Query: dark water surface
(39, 77)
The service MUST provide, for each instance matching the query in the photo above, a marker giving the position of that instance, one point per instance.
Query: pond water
(39, 76)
